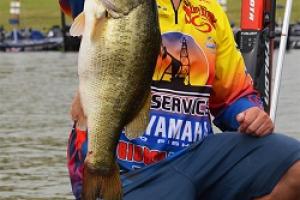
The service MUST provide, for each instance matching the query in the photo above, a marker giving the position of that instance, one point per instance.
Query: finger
(240, 117)
(243, 126)
(266, 129)
(241, 120)
(266, 125)
(76, 112)
(257, 122)
(82, 125)
(82, 118)
(246, 122)
(74, 115)
(72, 112)
(75, 109)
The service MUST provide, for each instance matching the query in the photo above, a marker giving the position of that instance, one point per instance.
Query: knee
(289, 185)
(288, 188)
(292, 177)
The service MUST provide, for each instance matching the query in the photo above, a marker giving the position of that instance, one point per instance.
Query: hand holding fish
(77, 113)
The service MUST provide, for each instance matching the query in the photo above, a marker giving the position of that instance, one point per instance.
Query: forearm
(76, 112)
(226, 119)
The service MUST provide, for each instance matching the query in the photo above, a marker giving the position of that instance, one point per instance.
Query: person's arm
(77, 113)
(73, 8)
(234, 103)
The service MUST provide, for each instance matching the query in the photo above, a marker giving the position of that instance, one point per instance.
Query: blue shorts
(227, 166)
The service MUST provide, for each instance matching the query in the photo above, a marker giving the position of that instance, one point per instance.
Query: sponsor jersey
(198, 72)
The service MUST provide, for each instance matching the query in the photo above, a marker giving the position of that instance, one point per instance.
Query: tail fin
(96, 185)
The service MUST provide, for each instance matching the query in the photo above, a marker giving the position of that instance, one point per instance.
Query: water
(35, 94)
(288, 118)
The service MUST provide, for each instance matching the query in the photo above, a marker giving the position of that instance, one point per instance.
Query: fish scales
(116, 64)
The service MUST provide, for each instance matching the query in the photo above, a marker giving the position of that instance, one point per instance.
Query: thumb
(241, 117)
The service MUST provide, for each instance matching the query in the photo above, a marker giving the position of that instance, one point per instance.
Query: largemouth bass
(120, 44)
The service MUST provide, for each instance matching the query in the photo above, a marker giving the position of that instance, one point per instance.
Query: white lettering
(149, 127)
(161, 141)
(174, 128)
(177, 131)
(252, 10)
(187, 132)
(185, 145)
(198, 131)
(196, 106)
(161, 127)
(175, 143)
(205, 127)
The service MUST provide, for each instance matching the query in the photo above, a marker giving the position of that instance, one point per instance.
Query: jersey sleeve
(71, 7)
(232, 90)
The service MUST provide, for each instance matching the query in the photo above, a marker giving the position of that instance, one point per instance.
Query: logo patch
(200, 17)
(210, 43)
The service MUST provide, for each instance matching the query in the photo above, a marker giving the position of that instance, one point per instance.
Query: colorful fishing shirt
(199, 73)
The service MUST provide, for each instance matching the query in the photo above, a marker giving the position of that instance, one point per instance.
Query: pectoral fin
(77, 27)
(138, 125)
(91, 21)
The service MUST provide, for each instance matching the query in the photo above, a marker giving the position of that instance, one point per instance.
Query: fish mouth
(112, 9)
(118, 11)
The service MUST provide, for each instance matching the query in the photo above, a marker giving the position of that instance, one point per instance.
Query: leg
(224, 166)
(288, 188)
